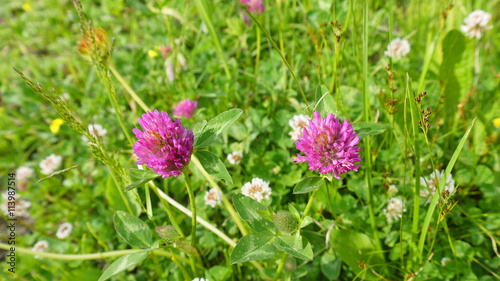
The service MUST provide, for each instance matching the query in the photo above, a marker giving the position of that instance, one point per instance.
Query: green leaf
(215, 127)
(453, 46)
(308, 184)
(307, 221)
(330, 266)
(122, 264)
(253, 247)
(364, 129)
(133, 230)
(294, 212)
(115, 199)
(358, 251)
(168, 232)
(325, 104)
(296, 246)
(219, 273)
(248, 209)
(268, 214)
(142, 174)
(138, 183)
(214, 166)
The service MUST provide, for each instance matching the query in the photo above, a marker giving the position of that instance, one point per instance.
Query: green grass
(272, 70)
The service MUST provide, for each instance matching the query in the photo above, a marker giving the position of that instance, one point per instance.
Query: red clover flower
(330, 147)
(165, 145)
(185, 108)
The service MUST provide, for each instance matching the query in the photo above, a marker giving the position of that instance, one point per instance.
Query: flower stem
(94, 256)
(309, 204)
(127, 87)
(226, 202)
(367, 140)
(193, 209)
(280, 266)
(192, 202)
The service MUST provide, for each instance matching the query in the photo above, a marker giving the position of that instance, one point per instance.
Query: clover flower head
(235, 158)
(40, 246)
(165, 145)
(397, 48)
(298, 123)
(50, 164)
(185, 108)
(392, 190)
(254, 6)
(96, 130)
(394, 210)
(475, 23)
(432, 182)
(24, 173)
(200, 279)
(329, 147)
(213, 197)
(64, 230)
(257, 189)
(21, 209)
(445, 261)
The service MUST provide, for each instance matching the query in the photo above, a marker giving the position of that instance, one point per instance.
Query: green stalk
(127, 87)
(106, 80)
(437, 194)
(306, 211)
(227, 204)
(283, 58)
(309, 204)
(193, 209)
(416, 194)
(208, 22)
(367, 140)
(280, 266)
(94, 256)
(257, 60)
(192, 202)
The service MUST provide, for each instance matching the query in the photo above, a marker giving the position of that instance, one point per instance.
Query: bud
(167, 232)
(285, 222)
(290, 264)
(101, 45)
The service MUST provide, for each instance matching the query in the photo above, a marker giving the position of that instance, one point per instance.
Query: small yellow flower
(496, 122)
(152, 53)
(55, 125)
(27, 7)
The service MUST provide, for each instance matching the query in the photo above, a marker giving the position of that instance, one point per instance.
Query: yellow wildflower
(27, 7)
(496, 122)
(152, 53)
(55, 125)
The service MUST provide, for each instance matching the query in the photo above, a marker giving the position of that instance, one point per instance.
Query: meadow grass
(434, 111)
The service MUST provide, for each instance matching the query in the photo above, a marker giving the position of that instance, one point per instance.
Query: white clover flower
(256, 189)
(64, 230)
(475, 23)
(235, 158)
(21, 209)
(24, 173)
(432, 182)
(298, 123)
(392, 190)
(213, 197)
(50, 164)
(445, 261)
(397, 48)
(394, 210)
(40, 246)
(200, 279)
(96, 130)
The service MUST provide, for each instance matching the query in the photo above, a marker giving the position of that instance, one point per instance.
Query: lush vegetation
(422, 205)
